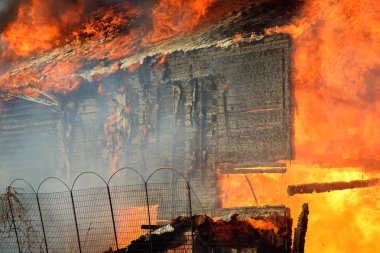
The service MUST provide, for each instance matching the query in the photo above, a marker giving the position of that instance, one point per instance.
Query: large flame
(340, 221)
(38, 27)
(336, 78)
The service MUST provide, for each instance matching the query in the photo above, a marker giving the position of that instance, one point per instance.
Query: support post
(113, 217)
(150, 225)
(76, 221)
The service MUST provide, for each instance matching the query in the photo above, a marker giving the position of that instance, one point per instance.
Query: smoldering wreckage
(224, 93)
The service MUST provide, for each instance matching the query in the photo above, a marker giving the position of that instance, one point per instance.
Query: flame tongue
(173, 17)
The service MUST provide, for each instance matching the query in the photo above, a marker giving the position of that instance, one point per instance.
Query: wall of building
(196, 112)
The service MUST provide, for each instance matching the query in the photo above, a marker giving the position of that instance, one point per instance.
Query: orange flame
(36, 28)
(173, 17)
(334, 217)
(262, 224)
(160, 61)
(336, 73)
(336, 79)
(129, 221)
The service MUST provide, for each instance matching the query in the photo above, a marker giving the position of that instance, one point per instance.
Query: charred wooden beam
(253, 171)
(334, 186)
(263, 164)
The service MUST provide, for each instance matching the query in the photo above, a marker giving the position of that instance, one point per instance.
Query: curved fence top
(86, 173)
(107, 182)
(24, 181)
(125, 169)
(52, 178)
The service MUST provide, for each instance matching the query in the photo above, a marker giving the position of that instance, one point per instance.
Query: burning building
(244, 98)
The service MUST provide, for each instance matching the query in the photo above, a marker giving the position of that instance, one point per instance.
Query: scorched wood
(334, 186)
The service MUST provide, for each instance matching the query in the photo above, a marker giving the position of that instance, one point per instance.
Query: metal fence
(95, 219)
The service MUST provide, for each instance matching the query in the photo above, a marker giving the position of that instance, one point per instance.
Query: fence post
(191, 216)
(113, 217)
(150, 225)
(76, 221)
(14, 223)
(42, 223)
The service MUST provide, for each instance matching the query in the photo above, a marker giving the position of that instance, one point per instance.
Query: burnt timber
(333, 186)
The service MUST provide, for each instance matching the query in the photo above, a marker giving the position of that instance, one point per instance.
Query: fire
(336, 72)
(173, 17)
(110, 33)
(129, 221)
(37, 28)
(262, 225)
(334, 217)
(336, 78)
(336, 66)
(160, 61)
(116, 129)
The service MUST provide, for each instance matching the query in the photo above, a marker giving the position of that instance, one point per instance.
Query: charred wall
(197, 111)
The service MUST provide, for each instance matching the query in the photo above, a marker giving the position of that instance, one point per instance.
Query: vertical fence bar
(14, 223)
(113, 217)
(150, 225)
(42, 223)
(191, 216)
(76, 221)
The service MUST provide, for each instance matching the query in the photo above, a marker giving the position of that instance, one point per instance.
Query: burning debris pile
(235, 231)
(265, 229)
